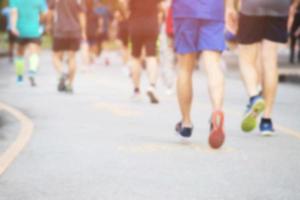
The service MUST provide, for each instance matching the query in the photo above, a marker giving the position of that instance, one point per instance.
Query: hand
(232, 20)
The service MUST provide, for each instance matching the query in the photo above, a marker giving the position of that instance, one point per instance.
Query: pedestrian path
(98, 144)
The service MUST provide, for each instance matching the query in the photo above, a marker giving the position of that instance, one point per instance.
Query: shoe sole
(267, 133)
(249, 122)
(152, 98)
(217, 136)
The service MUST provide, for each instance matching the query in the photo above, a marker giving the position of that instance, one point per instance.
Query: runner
(199, 28)
(12, 39)
(144, 29)
(94, 28)
(261, 26)
(68, 31)
(25, 24)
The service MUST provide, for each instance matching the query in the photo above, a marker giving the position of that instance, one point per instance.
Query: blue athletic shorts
(197, 35)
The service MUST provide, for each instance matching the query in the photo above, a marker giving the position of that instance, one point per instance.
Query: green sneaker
(255, 108)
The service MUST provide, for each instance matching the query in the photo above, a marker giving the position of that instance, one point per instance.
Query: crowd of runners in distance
(171, 35)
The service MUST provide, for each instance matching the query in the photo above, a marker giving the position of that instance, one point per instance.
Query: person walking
(69, 29)
(25, 24)
(199, 29)
(144, 30)
(261, 26)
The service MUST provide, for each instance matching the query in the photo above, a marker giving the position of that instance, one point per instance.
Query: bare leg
(57, 60)
(185, 86)
(270, 75)
(212, 62)
(248, 59)
(152, 69)
(72, 66)
(136, 73)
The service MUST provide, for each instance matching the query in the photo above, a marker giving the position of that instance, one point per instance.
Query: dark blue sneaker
(255, 107)
(183, 132)
(266, 127)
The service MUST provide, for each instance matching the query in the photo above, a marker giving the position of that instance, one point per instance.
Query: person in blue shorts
(199, 28)
(25, 24)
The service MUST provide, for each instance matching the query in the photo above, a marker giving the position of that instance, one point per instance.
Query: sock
(33, 63)
(253, 98)
(20, 66)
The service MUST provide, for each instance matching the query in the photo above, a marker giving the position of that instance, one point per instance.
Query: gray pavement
(97, 144)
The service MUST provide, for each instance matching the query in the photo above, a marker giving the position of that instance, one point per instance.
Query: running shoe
(152, 95)
(69, 89)
(183, 132)
(266, 127)
(255, 107)
(62, 83)
(32, 81)
(217, 135)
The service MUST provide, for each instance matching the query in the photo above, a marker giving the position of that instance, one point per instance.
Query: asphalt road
(100, 145)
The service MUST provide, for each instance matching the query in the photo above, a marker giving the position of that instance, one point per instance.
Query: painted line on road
(176, 147)
(119, 111)
(10, 154)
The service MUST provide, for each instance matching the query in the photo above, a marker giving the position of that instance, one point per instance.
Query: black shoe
(184, 132)
(62, 84)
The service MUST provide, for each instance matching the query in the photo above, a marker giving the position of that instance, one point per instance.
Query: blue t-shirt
(28, 23)
(199, 9)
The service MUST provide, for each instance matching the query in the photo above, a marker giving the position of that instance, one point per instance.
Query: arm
(13, 21)
(292, 12)
(231, 16)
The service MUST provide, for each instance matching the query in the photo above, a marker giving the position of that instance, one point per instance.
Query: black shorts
(26, 41)
(66, 44)
(11, 37)
(253, 29)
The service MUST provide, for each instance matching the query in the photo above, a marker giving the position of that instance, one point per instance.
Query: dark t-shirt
(143, 8)
(144, 16)
(276, 8)
(66, 20)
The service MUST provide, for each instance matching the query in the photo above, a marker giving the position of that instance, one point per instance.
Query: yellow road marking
(18, 145)
(117, 110)
(156, 147)
(281, 128)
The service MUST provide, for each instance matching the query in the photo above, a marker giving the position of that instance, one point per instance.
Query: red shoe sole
(217, 135)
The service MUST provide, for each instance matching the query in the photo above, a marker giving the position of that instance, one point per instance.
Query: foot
(152, 95)
(184, 132)
(217, 135)
(255, 108)
(69, 89)
(32, 81)
(62, 83)
(266, 127)
(19, 80)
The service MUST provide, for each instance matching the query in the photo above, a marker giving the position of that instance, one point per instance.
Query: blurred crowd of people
(171, 34)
